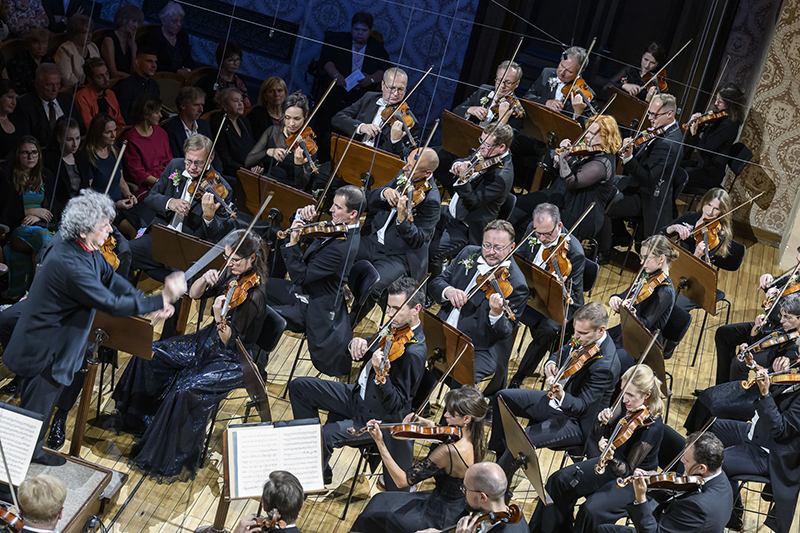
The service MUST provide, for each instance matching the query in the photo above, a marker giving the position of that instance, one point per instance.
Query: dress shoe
(327, 475)
(736, 522)
(515, 383)
(603, 258)
(49, 459)
(55, 440)
(11, 388)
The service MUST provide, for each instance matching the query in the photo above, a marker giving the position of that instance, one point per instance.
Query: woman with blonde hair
(269, 109)
(605, 502)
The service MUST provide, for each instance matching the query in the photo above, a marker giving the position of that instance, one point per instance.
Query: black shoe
(603, 258)
(49, 459)
(736, 523)
(515, 383)
(327, 475)
(428, 302)
(11, 388)
(55, 440)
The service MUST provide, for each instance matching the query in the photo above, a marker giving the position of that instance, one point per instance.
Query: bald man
(394, 242)
(485, 487)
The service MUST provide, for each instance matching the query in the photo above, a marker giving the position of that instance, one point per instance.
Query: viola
(556, 260)
(576, 362)
(770, 341)
(497, 284)
(790, 377)
(625, 429)
(512, 516)
(666, 481)
(579, 150)
(318, 229)
(210, 183)
(475, 168)
(578, 86)
(307, 144)
(661, 79)
(441, 434)
(271, 522)
(10, 521)
(646, 286)
(515, 108)
(705, 119)
(393, 346)
(236, 294)
(393, 113)
(107, 249)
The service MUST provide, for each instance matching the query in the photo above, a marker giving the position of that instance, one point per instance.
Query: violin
(236, 294)
(578, 86)
(643, 137)
(661, 80)
(9, 521)
(666, 481)
(393, 346)
(515, 108)
(646, 286)
(211, 183)
(576, 362)
(271, 522)
(498, 283)
(107, 249)
(579, 150)
(790, 377)
(307, 144)
(792, 286)
(417, 192)
(476, 168)
(512, 516)
(705, 119)
(440, 434)
(710, 235)
(770, 341)
(318, 229)
(625, 429)
(394, 113)
(555, 258)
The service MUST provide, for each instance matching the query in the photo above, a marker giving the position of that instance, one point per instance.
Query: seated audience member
(21, 70)
(78, 47)
(138, 83)
(69, 169)
(60, 11)
(9, 134)
(41, 502)
(148, 151)
(24, 208)
(236, 139)
(189, 102)
(269, 110)
(25, 15)
(119, 48)
(229, 58)
(96, 97)
(37, 112)
(283, 492)
(171, 41)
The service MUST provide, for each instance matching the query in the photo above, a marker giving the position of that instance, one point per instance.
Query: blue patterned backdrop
(417, 34)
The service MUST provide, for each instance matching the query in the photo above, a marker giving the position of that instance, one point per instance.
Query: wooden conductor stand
(696, 279)
(635, 339)
(625, 109)
(459, 135)
(446, 344)
(128, 334)
(360, 159)
(255, 188)
(547, 294)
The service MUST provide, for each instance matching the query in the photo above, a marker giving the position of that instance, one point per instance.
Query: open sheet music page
(19, 431)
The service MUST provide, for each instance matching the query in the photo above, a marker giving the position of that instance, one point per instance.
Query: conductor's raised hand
(174, 287)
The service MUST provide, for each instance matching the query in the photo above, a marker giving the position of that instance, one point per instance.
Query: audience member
(21, 70)
(147, 153)
(69, 170)
(9, 134)
(41, 502)
(59, 11)
(269, 110)
(119, 48)
(25, 15)
(96, 97)
(139, 82)
(75, 50)
(236, 139)
(172, 43)
(229, 58)
(37, 112)
(189, 102)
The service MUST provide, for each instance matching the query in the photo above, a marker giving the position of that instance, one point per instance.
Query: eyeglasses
(787, 316)
(398, 90)
(234, 60)
(497, 248)
(465, 490)
(505, 83)
(190, 163)
(545, 233)
(29, 153)
(481, 140)
(231, 260)
(656, 115)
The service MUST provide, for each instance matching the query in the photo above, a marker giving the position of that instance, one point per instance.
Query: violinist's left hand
(377, 355)
(496, 304)
(700, 250)
(578, 103)
(558, 391)
(248, 523)
(762, 379)
(397, 131)
(402, 209)
(640, 488)
(628, 148)
(504, 111)
(210, 206)
(780, 364)
(375, 431)
(468, 524)
(219, 301)
(299, 157)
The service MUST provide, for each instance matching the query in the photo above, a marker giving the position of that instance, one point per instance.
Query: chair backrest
(734, 259)
(271, 330)
(508, 207)
(680, 180)
(677, 325)
(11, 48)
(208, 117)
(740, 155)
(170, 84)
(99, 35)
(362, 279)
(199, 73)
(254, 383)
(590, 271)
(672, 444)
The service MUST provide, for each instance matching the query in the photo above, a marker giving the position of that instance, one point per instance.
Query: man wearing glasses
(483, 319)
(547, 228)
(646, 187)
(365, 116)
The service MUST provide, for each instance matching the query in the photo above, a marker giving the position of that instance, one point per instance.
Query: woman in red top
(148, 153)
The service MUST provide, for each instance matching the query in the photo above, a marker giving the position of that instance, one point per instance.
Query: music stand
(359, 159)
(547, 294)
(128, 334)
(286, 199)
(625, 109)
(695, 279)
(635, 338)
(523, 450)
(541, 122)
(445, 343)
(459, 135)
(254, 385)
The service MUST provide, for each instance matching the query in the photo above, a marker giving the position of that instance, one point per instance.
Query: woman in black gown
(407, 512)
(631, 79)
(170, 398)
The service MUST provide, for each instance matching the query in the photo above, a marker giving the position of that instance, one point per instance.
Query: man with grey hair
(36, 113)
(47, 346)
(547, 89)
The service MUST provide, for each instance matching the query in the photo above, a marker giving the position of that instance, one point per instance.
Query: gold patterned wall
(772, 131)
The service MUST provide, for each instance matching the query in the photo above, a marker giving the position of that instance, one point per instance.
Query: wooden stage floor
(184, 506)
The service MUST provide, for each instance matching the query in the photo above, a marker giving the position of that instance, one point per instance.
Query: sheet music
(18, 434)
(256, 451)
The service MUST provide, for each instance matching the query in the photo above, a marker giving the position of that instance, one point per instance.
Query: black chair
(731, 264)
(672, 444)
(740, 155)
(368, 457)
(674, 331)
(271, 331)
(590, 272)
(743, 482)
(508, 207)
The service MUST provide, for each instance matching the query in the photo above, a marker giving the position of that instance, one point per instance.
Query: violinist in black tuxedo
(313, 301)
(365, 116)
(703, 510)
(282, 492)
(395, 244)
(646, 187)
(483, 319)
(41, 500)
(354, 405)
(478, 196)
(547, 233)
(567, 418)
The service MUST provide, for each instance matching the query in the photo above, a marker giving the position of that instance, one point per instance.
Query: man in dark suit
(646, 187)
(139, 82)
(567, 419)
(36, 113)
(397, 244)
(41, 501)
(355, 405)
(47, 346)
(768, 446)
(483, 319)
(58, 13)
(365, 116)
(705, 510)
(190, 101)
(476, 201)
(547, 231)
(313, 301)
(282, 491)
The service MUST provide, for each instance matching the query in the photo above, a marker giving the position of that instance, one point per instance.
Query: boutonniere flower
(623, 80)
(573, 343)
(533, 241)
(401, 179)
(553, 82)
(176, 178)
(468, 263)
(484, 100)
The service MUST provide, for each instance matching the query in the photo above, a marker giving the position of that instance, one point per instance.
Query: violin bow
(583, 65)
(723, 215)
(602, 111)
(692, 442)
(778, 299)
(574, 226)
(716, 85)
(618, 401)
(311, 116)
(322, 196)
(249, 229)
(638, 275)
(441, 380)
(561, 345)
(388, 324)
(408, 94)
(655, 76)
(409, 181)
(513, 57)
(116, 165)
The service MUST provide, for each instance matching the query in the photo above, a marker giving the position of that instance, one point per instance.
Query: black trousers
(442, 173)
(450, 237)
(310, 395)
(545, 331)
(39, 394)
(390, 267)
(727, 338)
(629, 206)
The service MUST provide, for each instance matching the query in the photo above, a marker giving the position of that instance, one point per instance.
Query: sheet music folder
(19, 431)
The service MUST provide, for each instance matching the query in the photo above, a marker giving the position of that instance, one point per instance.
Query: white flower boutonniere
(176, 178)
(533, 241)
(484, 100)
(553, 82)
(401, 180)
(468, 263)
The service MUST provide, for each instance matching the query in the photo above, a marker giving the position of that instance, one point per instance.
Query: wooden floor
(186, 506)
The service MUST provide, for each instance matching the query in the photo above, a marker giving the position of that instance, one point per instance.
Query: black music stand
(695, 279)
(360, 158)
(547, 294)
(635, 339)
(459, 135)
(445, 343)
